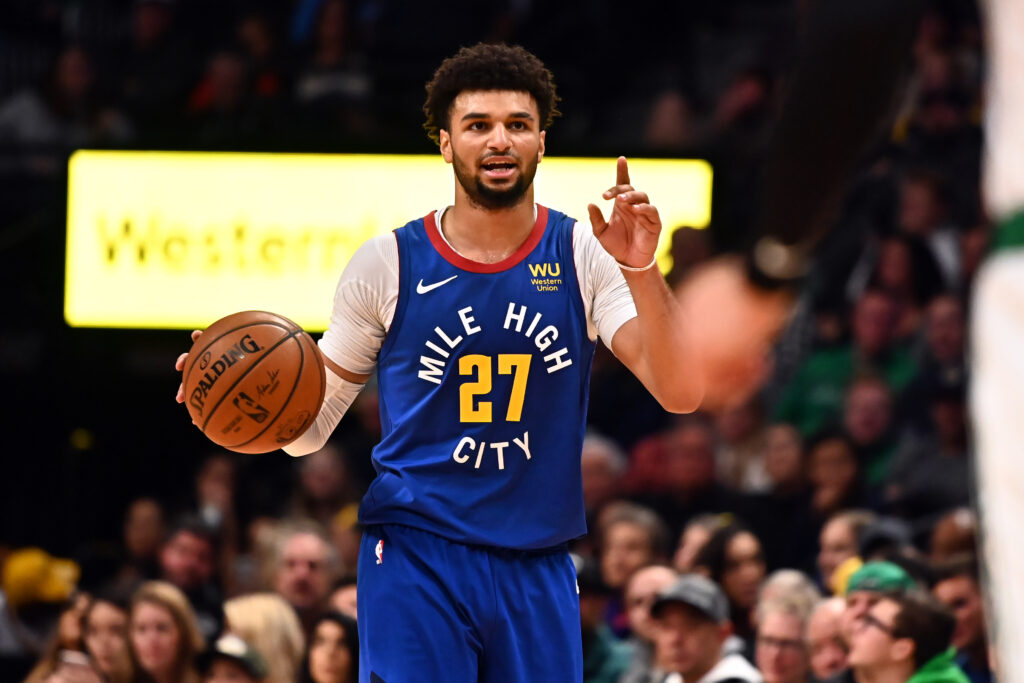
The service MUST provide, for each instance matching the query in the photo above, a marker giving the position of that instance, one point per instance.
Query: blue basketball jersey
(483, 383)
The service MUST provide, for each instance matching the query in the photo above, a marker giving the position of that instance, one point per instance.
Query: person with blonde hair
(164, 634)
(780, 653)
(268, 623)
(791, 586)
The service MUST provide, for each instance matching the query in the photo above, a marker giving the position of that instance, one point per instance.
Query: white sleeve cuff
(338, 397)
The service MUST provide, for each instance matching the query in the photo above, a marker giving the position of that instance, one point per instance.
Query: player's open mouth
(499, 168)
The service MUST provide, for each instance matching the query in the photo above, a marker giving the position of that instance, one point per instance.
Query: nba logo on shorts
(379, 551)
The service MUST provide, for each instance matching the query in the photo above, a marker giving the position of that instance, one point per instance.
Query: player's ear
(540, 152)
(445, 141)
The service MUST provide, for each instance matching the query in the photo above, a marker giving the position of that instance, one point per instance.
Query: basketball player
(997, 330)
(480, 320)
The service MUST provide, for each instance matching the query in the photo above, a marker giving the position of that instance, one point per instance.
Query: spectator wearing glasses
(866, 587)
(781, 654)
(905, 639)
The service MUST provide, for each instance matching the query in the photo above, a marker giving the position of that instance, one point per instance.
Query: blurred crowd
(825, 530)
(325, 74)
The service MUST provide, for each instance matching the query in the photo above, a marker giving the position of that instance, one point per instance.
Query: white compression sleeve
(337, 398)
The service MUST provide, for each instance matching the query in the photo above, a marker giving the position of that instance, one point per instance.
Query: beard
(493, 198)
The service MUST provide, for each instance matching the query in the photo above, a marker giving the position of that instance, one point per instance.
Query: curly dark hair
(488, 66)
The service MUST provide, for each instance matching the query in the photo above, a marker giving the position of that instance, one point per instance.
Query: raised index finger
(621, 172)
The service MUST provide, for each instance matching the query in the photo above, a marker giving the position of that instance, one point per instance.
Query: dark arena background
(872, 359)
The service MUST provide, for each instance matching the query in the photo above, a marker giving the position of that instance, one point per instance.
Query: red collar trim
(460, 261)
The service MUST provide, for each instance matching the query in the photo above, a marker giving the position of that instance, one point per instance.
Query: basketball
(254, 381)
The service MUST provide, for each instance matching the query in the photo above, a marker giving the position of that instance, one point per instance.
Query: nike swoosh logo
(423, 289)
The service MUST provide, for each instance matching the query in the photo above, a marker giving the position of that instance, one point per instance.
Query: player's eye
(517, 125)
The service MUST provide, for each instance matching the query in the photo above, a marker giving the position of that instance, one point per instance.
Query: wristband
(639, 270)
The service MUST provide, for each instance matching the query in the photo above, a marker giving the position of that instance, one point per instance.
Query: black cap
(698, 592)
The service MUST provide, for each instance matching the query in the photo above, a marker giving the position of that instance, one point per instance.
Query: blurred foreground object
(842, 90)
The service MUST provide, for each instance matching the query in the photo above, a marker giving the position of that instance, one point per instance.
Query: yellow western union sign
(178, 240)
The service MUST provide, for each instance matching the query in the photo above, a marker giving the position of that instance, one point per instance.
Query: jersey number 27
(481, 367)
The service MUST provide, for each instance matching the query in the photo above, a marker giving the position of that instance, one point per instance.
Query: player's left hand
(631, 233)
(737, 325)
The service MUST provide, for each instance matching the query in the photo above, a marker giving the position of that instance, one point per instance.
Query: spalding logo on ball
(254, 382)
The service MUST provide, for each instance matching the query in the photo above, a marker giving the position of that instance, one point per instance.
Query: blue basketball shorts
(432, 610)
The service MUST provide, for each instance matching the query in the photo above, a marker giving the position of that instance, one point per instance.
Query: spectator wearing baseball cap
(880, 577)
(32, 576)
(905, 637)
(36, 589)
(865, 588)
(868, 585)
(231, 659)
(693, 625)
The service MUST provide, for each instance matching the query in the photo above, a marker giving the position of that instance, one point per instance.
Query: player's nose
(499, 138)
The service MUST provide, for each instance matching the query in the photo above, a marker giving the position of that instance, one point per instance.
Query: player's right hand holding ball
(179, 365)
